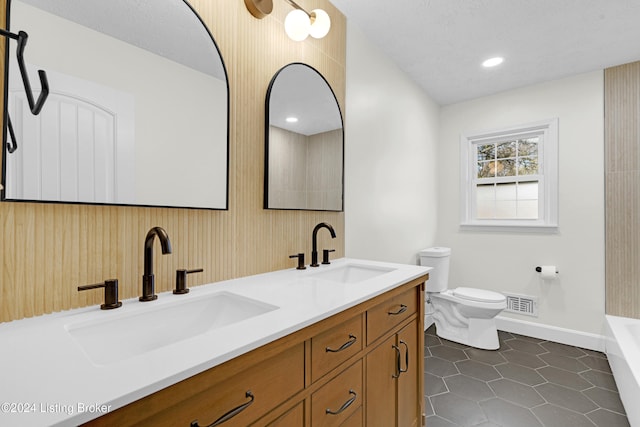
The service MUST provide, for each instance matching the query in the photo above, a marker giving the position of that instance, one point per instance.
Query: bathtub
(623, 350)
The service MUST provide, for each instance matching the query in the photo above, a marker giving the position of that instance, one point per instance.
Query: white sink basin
(114, 339)
(352, 273)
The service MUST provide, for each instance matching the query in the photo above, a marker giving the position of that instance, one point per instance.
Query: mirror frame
(5, 115)
(266, 139)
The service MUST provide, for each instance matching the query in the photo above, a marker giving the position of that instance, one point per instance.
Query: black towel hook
(34, 106)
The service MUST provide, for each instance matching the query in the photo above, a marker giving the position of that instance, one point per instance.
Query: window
(509, 178)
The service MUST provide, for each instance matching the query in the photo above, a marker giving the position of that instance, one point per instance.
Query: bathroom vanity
(337, 345)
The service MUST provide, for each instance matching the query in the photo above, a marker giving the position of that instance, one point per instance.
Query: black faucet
(314, 249)
(148, 279)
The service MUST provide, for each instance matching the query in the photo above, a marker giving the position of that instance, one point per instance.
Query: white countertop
(46, 378)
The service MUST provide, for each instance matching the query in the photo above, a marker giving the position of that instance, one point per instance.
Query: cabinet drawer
(383, 317)
(269, 382)
(204, 399)
(340, 398)
(334, 346)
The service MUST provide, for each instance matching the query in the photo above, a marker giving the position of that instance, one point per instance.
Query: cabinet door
(408, 382)
(381, 385)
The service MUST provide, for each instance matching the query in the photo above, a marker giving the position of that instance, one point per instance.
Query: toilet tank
(438, 258)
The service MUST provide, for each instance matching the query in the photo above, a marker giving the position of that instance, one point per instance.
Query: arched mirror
(304, 154)
(137, 112)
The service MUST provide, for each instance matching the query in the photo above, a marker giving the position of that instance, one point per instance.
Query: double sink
(118, 336)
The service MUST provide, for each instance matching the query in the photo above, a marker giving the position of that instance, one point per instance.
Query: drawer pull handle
(232, 413)
(403, 308)
(345, 405)
(406, 354)
(352, 340)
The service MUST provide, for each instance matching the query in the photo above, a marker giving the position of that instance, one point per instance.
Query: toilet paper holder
(539, 270)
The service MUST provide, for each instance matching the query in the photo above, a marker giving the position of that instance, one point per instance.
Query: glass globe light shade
(297, 25)
(321, 24)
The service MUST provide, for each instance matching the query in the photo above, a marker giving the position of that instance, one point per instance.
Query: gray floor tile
(600, 379)
(605, 399)
(564, 362)
(597, 363)
(431, 340)
(526, 338)
(524, 359)
(478, 370)
(468, 387)
(517, 393)
(436, 421)
(565, 386)
(555, 416)
(521, 374)
(457, 409)
(604, 418)
(594, 353)
(504, 413)
(564, 378)
(562, 349)
(439, 367)
(453, 344)
(527, 346)
(490, 357)
(566, 398)
(504, 336)
(428, 410)
(448, 353)
(434, 385)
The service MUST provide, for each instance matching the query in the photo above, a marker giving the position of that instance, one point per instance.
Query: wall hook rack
(34, 105)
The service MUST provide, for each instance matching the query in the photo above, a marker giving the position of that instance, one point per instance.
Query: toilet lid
(480, 295)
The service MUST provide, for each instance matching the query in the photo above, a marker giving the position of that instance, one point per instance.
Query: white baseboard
(552, 333)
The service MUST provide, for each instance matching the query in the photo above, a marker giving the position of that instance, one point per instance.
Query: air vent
(522, 304)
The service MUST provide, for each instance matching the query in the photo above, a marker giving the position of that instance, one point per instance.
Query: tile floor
(528, 382)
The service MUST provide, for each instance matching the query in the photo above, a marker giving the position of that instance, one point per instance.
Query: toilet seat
(478, 295)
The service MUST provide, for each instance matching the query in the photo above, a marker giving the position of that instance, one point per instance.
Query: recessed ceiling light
(492, 62)
(291, 119)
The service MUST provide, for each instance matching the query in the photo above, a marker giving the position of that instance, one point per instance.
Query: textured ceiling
(441, 43)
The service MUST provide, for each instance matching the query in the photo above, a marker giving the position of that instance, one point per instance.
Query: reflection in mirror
(138, 106)
(304, 142)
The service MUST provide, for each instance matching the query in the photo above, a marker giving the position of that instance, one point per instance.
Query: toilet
(464, 315)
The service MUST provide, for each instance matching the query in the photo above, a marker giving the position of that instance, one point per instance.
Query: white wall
(506, 261)
(391, 168)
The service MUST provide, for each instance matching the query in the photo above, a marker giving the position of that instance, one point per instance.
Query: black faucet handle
(300, 257)
(181, 280)
(110, 293)
(325, 255)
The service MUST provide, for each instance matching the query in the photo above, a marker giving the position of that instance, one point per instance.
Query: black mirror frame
(5, 116)
(266, 139)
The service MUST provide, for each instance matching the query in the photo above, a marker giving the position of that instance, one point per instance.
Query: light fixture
(492, 62)
(291, 119)
(299, 24)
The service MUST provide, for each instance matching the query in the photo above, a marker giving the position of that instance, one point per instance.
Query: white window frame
(547, 221)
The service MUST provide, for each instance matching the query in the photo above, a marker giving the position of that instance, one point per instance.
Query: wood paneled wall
(622, 180)
(47, 250)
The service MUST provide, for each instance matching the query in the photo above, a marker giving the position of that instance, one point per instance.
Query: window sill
(510, 228)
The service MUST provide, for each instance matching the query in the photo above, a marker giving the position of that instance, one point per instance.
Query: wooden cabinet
(360, 367)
